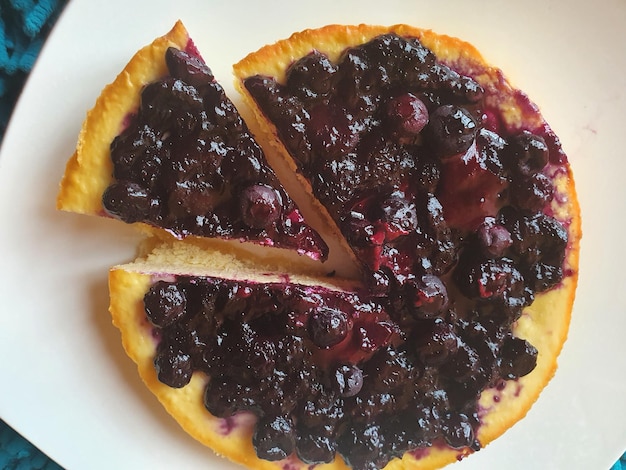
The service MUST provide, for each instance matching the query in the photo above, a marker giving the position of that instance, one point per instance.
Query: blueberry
(134, 148)
(417, 65)
(187, 67)
(198, 162)
(491, 148)
(311, 76)
(436, 342)
(242, 168)
(171, 104)
(430, 296)
(451, 130)
(315, 446)
(260, 206)
(386, 163)
(261, 356)
(518, 358)
(362, 447)
(544, 275)
(407, 115)
(379, 283)
(532, 193)
(527, 153)
(391, 368)
(328, 327)
(463, 364)
(192, 197)
(173, 365)
(349, 380)
(357, 74)
(321, 406)
(225, 116)
(223, 397)
(127, 201)
(462, 88)
(165, 303)
(274, 438)
(536, 237)
(458, 431)
(330, 131)
(399, 215)
(494, 239)
(489, 278)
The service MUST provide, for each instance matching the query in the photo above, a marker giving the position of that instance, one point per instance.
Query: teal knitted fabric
(24, 25)
(16, 453)
(620, 464)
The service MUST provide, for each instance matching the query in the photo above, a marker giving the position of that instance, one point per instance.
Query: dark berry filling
(328, 371)
(447, 209)
(407, 154)
(187, 163)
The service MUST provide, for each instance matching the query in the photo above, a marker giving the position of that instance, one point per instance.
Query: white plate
(67, 385)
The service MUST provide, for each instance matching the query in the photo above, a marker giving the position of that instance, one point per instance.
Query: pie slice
(165, 148)
(405, 141)
(241, 354)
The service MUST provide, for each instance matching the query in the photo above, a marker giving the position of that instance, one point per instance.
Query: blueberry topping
(444, 206)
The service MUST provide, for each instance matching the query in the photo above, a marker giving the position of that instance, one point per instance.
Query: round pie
(444, 182)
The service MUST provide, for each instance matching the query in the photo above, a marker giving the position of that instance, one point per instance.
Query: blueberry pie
(445, 184)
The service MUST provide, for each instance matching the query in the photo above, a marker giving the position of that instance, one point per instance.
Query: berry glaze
(455, 216)
(187, 163)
